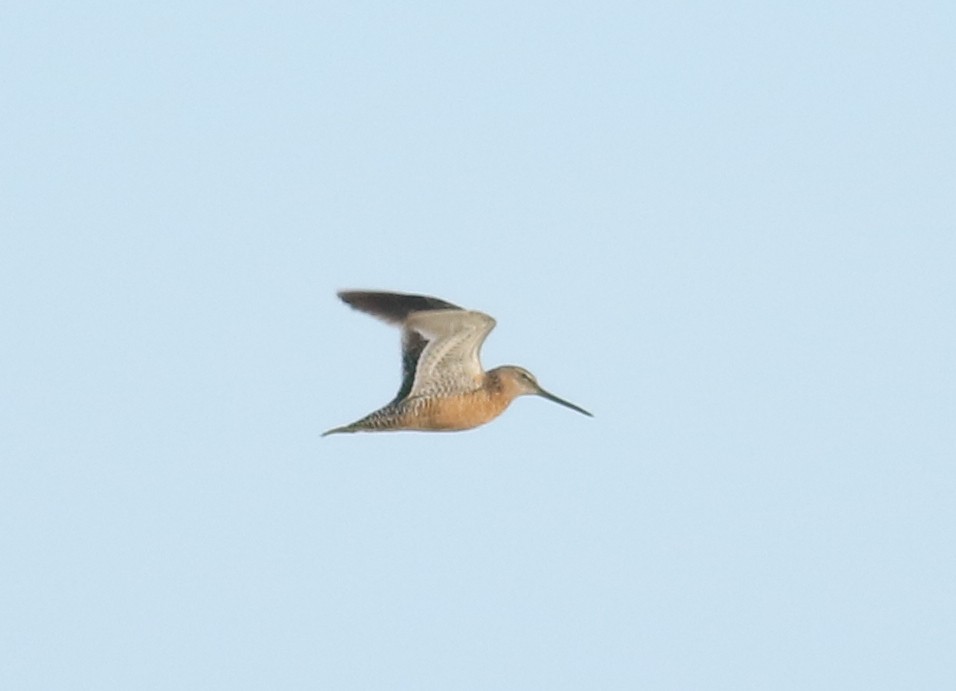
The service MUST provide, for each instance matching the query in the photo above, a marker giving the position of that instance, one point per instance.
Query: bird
(444, 387)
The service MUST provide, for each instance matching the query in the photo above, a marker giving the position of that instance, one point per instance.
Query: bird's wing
(448, 362)
(413, 343)
(394, 308)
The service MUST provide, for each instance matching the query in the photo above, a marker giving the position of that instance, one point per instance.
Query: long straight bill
(567, 404)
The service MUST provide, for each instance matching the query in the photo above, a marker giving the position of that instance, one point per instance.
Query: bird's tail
(391, 417)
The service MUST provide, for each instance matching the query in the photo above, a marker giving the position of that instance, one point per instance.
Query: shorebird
(444, 387)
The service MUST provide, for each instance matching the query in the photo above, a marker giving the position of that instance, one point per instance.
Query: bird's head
(517, 381)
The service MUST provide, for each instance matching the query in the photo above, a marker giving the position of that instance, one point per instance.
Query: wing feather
(392, 307)
(395, 308)
(450, 359)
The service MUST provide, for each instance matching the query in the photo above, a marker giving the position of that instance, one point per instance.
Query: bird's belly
(462, 411)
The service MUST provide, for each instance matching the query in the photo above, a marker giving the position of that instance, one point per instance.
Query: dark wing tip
(392, 307)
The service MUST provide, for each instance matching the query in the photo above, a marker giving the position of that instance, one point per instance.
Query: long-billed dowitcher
(444, 387)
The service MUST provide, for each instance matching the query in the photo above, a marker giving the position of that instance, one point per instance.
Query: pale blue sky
(728, 229)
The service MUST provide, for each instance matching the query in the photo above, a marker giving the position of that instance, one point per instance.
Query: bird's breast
(456, 412)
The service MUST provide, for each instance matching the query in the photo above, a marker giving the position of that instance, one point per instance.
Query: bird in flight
(444, 387)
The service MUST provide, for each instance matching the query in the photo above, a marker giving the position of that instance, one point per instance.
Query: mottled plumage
(443, 386)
